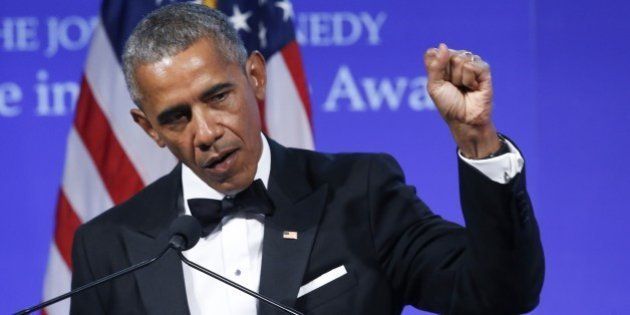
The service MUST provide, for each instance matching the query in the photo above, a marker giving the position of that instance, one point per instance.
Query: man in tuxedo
(323, 233)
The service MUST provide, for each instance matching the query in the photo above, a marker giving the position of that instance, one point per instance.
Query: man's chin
(227, 183)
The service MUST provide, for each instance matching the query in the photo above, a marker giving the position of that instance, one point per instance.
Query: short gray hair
(171, 29)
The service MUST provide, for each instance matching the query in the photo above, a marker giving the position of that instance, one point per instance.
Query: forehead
(183, 75)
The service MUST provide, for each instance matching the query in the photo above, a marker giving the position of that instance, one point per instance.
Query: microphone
(184, 232)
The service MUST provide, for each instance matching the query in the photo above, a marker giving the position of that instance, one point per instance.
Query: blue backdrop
(560, 70)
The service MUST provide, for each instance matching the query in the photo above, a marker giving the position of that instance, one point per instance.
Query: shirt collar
(195, 187)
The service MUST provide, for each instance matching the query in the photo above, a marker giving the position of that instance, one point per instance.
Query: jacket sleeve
(494, 265)
(86, 302)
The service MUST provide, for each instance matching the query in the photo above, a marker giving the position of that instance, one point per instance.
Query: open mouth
(222, 162)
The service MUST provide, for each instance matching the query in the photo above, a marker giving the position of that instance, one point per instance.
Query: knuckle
(470, 66)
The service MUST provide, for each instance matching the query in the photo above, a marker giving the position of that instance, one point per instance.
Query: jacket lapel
(161, 284)
(298, 208)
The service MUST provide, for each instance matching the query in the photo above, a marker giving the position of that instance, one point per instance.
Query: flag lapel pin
(290, 235)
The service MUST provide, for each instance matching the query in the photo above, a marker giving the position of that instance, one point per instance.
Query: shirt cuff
(500, 169)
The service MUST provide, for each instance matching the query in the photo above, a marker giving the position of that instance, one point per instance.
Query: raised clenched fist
(460, 84)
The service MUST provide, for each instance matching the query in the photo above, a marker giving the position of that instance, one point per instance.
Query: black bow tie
(209, 212)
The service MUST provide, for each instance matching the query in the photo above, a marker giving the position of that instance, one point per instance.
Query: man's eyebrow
(215, 89)
(165, 115)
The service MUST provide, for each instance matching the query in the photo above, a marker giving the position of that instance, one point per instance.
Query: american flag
(108, 158)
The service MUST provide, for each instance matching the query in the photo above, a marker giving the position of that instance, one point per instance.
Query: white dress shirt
(500, 169)
(234, 248)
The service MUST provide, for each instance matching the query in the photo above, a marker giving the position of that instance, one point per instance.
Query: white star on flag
(287, 9)
(262, 35)
(239, 19)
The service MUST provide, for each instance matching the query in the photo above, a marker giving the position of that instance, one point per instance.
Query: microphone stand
(236, 285)
(95, 283)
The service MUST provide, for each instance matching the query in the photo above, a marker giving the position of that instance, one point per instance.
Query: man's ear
(257, 74)
(141, 119)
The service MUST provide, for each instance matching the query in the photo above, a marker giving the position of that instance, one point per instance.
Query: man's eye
(179, 116)
(176, 118)
(219, 97)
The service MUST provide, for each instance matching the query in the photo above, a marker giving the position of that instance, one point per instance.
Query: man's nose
(207, 130)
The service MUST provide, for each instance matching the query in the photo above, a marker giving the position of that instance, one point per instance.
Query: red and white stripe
(287, 108)
(109, 158)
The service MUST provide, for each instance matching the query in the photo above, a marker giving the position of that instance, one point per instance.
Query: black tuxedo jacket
(348, 209)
